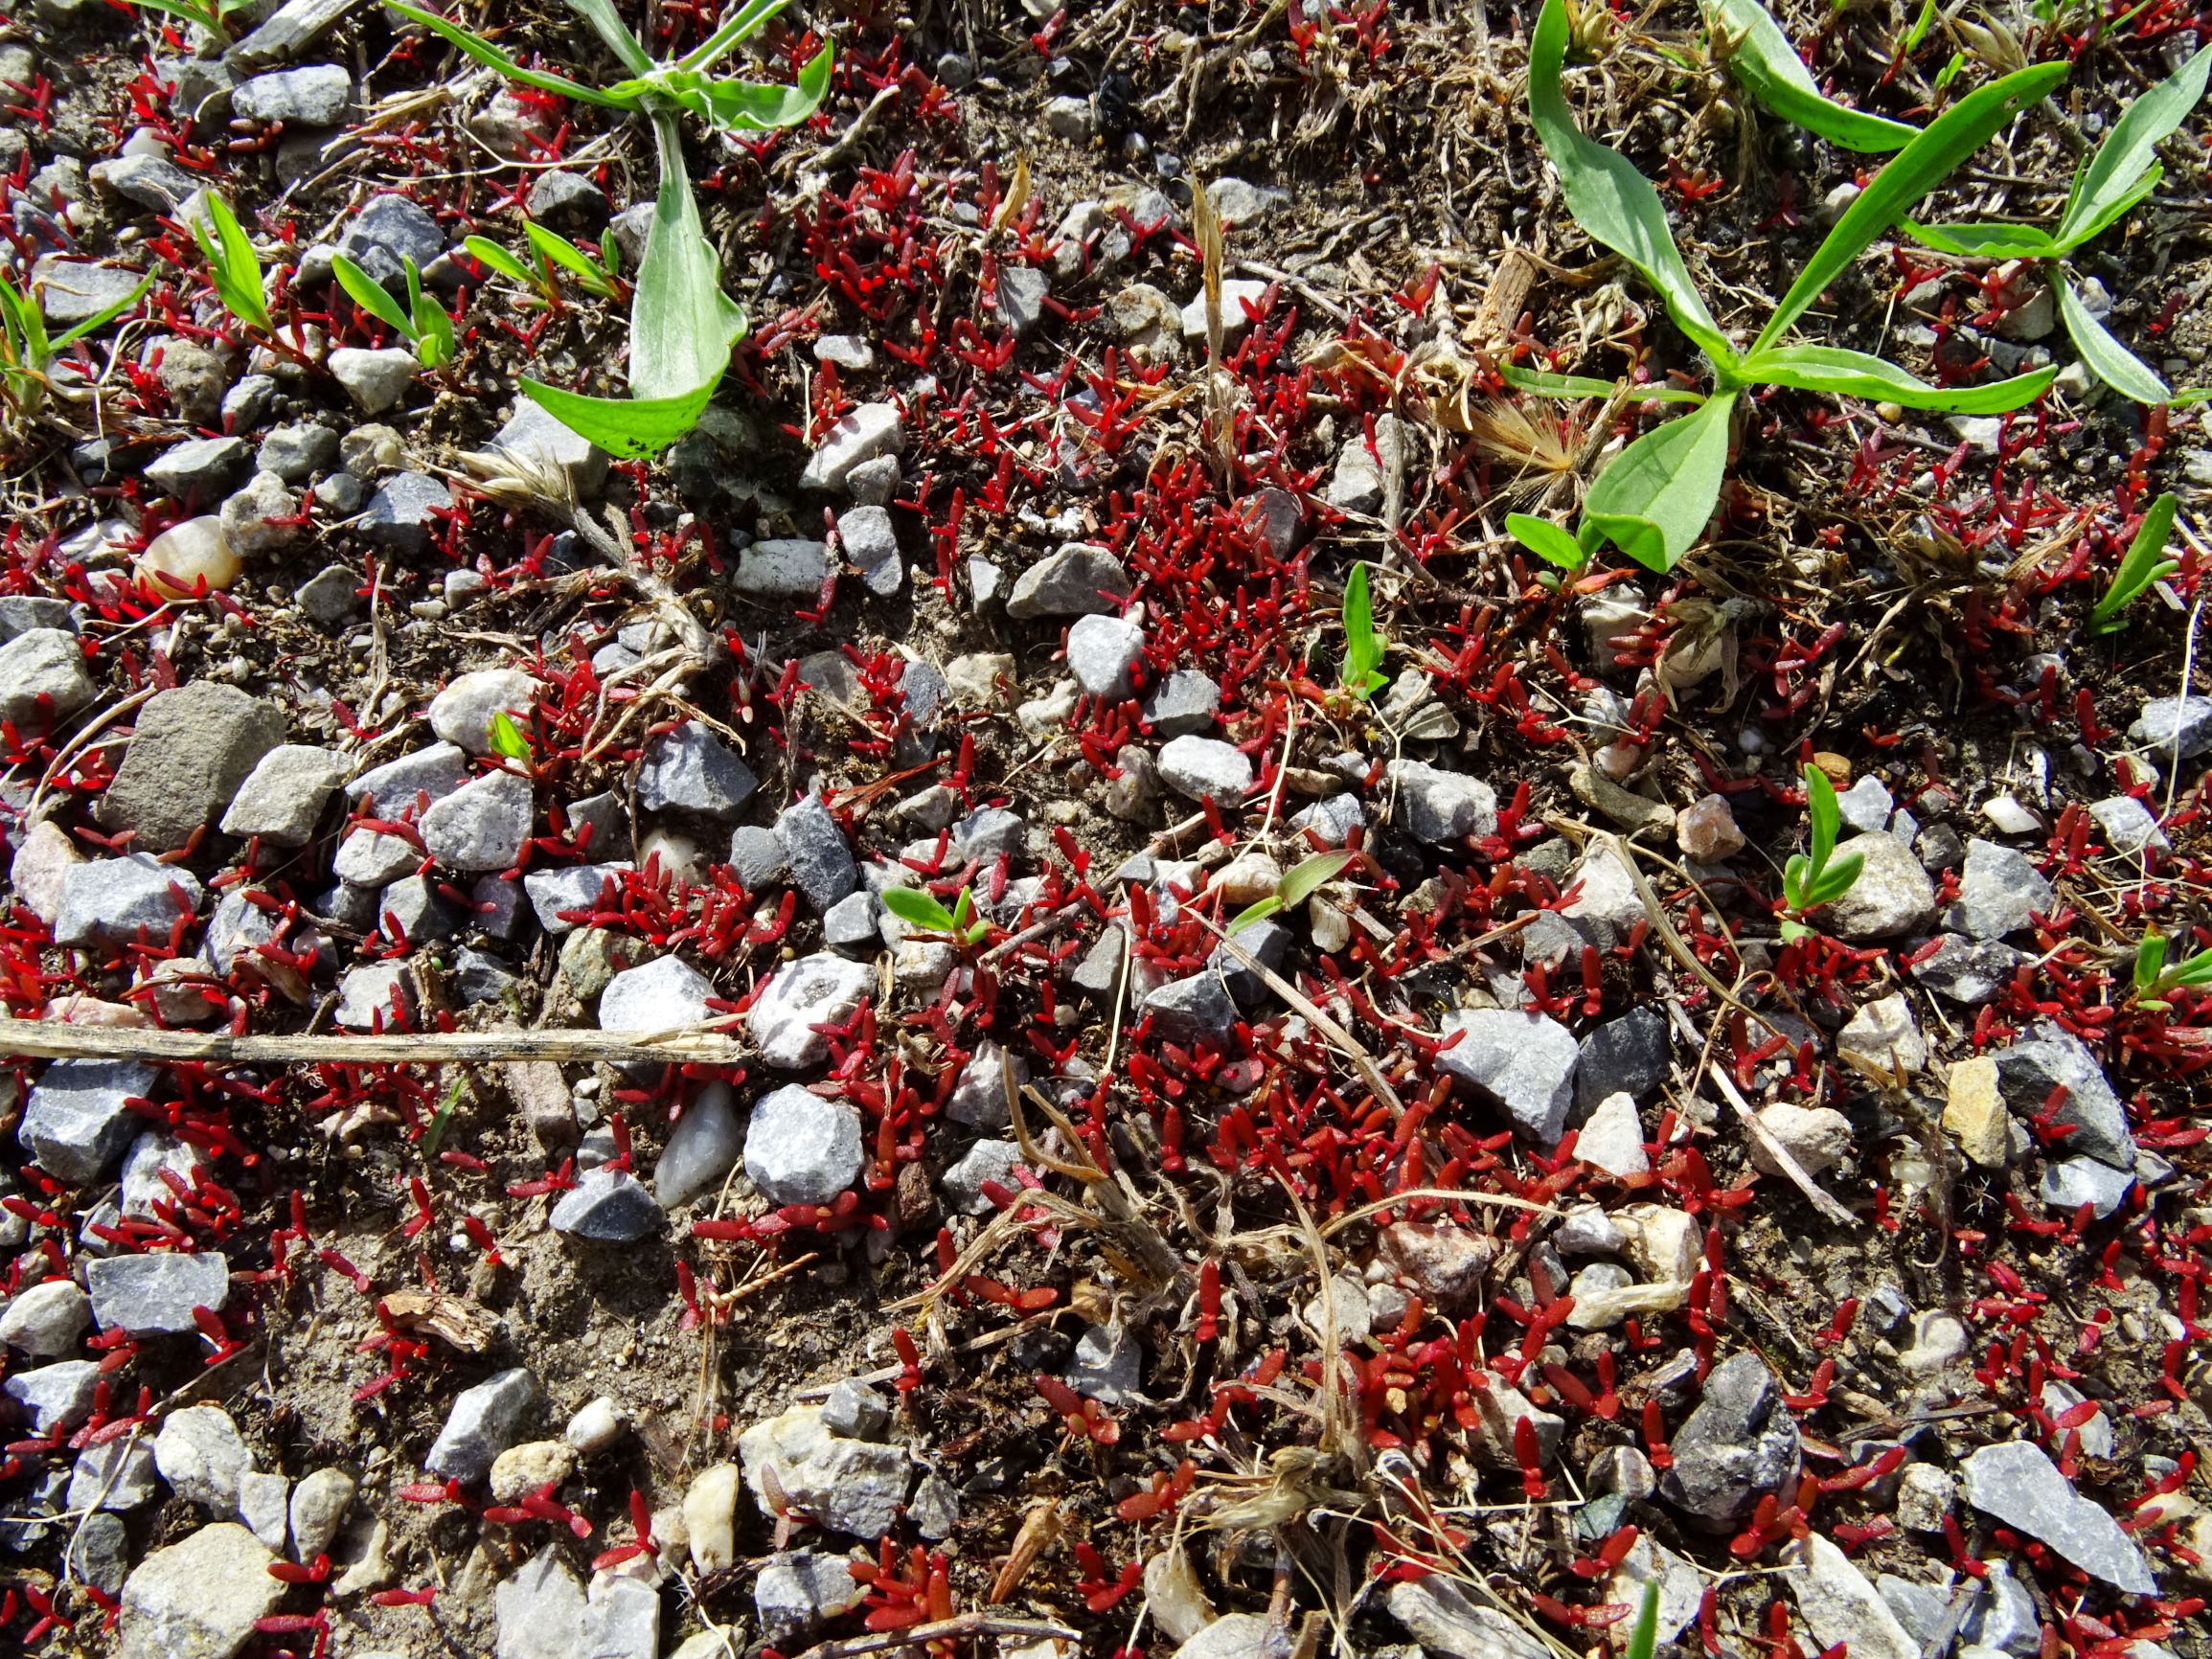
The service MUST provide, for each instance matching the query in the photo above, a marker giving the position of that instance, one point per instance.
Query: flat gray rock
(192, 748)
(154, 1295)
(122, 898)
(197, 1599)
(1739, 1445)
(692, 770)
(1077, 579)
(77, 1119)
(1523, 1061)
(801, 1148)
(606, 1206)
(484, 1421)
(2015, 1483)
(481, 825)
(283, 798)
(1999, 891)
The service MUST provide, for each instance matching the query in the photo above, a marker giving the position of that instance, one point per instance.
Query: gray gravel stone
(282, 797)
(197, 1599)
(1183, 702)
(369, 994)
(757, 858)
(860, 434)
(575, 888)
(54, 1397)
(1629, 1056)
(42, 678)
(194, 746)
(319, 1504)
(689, 769)
(568, 203)
(1078, 579)
(801, 1148)
(1021, 294)
(1203, 768)
(45, 1320)
(1439, 806)
(371, 858)
(1194, 1011)
(2016, 1484)
(1999, 891)
(786, 567)
(2069, 1183)
(978, 1099)
(606, 1206)
(799, 1591)
(314, 95)
(386, 229)
(871, 546)
(703, 1148)
(1969, 971)
(392, 789)
(403, 511)
(150, 1295)
(1892, 895)
(821, 863)
(376, 378)
(201, 1455)
(484, 1421)
(1102, 653)
(2130, 828)
(850, 1486)
(1108, 1365)
(850, 923)
(72, 291)
(76, 1123)
(991, 1161)
(1740, 1444)
(481, 825)
(538, 441)
(856, 1411)
(201, 468)
(147, 181)
(2051, 1059)
(116, 1474)
(658, 995)
(117, 899)
(414, 908)
(1523, 1061)
(818, 990)
(2175, 728)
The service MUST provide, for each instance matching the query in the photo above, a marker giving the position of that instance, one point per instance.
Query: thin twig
(55, 1040)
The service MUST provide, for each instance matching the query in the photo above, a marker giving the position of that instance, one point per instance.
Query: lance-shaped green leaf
(2108, 360)
(2118, 174)
(366, 292)
(2143, 563)
(628, 428)
(609, 27)
(746, 22)
(98, 320)
(485, 52)
(1909, 175)
(487, 252)
(1985, 241)
(233, 265)
(1657, 496)
(1546, 540)
(1614, 204)
(1856, 374)
(1760, 57)
(1542, 384)
(681, 324)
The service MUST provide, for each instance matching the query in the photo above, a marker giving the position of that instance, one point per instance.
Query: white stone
(461, 713)
(818, 990)
(801, 1148)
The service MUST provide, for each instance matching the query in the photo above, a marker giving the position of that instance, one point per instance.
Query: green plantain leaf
(917, 909)
(1541, 383)
(1614, 204)
(746, 22)
(681, 324)
(1546, 540)
(626, 428)
(610, 28)
(1307, 876)
(485, 52)
(1657, 496)
(2143, 563)
(1762, 57)
(1858, 374)
(369, 294)
(2111, 182)
(1909, 175)
(2108, 360)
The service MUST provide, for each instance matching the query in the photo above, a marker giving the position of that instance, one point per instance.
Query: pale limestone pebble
(43, 861)
(1974, 1111)
(177, 561)
(1818, 1137)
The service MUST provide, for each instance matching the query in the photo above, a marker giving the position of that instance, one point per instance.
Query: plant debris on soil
(486, 1170)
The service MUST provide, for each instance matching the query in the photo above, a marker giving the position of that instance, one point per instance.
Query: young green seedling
(1762, 59)
(27, 352)
(917, 909)
(232, 264)
(2124, 170)
(422, 322)
(507, 739)
(2143, 563)
(215, 16)
(681, 324)
(1657, 497)
(2156, 979)
(1816, 876)
(1362, 671)
(1644, 1639)
(1294, 889)
(596, 277)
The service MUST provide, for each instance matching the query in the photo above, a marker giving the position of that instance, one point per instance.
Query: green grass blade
(609, 28)
(1824, 815)
(1918, 33)
(206, 18)
(2143, 563)
(749, 107)
(1614, 204)
(917, 909)
(1644, 1639)
(625, 427)
(487, 252)
(246, 292)
(681, 324)
(1257, 911)
(93, 324)
(1856, 374)
(2129, 151)
(553, 245)
(1309, 874)
(2108, 360)
(1546, 540)
(369, 294)
(1541, 383)
(748, 22)
(1909, 175)
(2117, 209)
(1984, 241)
(1768, 67)
(1657, 496)
(484, 51)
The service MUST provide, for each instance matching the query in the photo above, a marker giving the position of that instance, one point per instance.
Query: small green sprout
(2143, 563)
(919, 910)
(1362, 670)
(232, 264)
(554, 253)
(422, 322)
(507, 739)
(1294, 889)
(27, 352)
(215, 16)
(1816, 876)
(2156, 979)
(1644, 1639)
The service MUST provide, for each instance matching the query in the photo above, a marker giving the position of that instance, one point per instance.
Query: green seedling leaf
(1546, 540)
(1361, 673)
(2150, 961)
(369, 294)
(1985, 241)
(559, 250)
(1541, 383)
(1644, 1639)
(1259, 911)
(1824, 813)
(1909, 175)
(917, 909)
(1614, 204)
(215, 20)
(2114, 179)
(1858, 374)
(2194, 972)
(1657, 496)
(626, 428)
(1918, 33)
(609, 28)
(681, 324)
(745, 24)
(2143, 563)
(233, 265)
(2108, 360)
(1308, 875)
(507, 739)
(487, 252)
(1761, 58)
(749, 107)
(485, 52)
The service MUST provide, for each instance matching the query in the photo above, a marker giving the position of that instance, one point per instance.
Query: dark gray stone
(485, 1421)
(1626, 1056)
(607, 1207)
(2029, 1071)
(1737, 1447)
(569, 203)
(1184, 702)
(153, 1295)
(1970, 971)
(403, 511)
(314, 95)
(1076, 580)
(821, 863)
(387, 229)
(692, 770)
(76, 1123)
(1523, 1061)
(1198, 1011)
